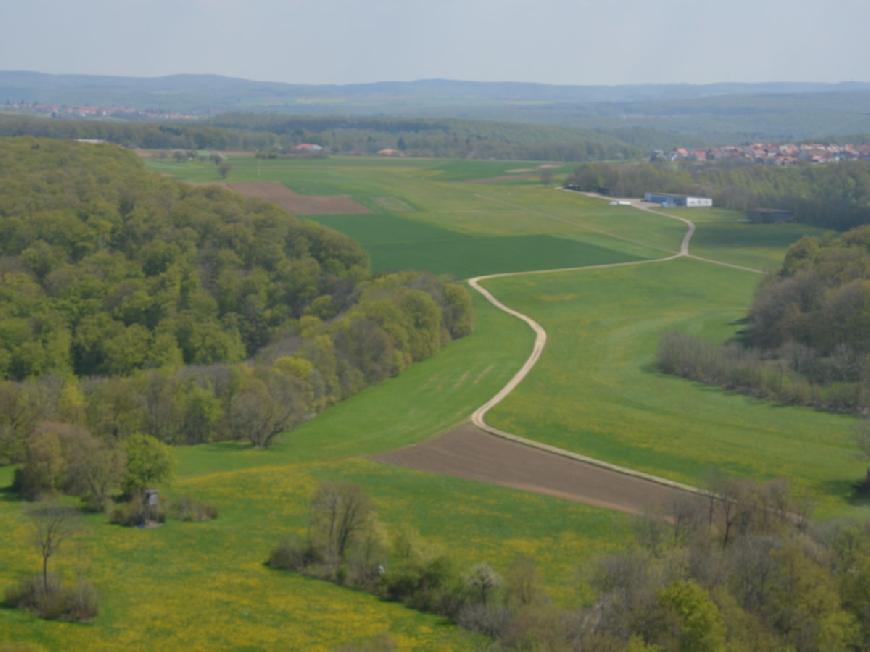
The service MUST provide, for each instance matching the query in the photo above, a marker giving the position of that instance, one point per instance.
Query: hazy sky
(338, 41)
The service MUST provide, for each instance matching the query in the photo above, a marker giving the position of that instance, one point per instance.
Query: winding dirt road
(479, 451)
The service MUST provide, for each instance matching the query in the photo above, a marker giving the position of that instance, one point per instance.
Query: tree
(862, 438)
(224, 169)
(148, 462)
(340, 514)
(481, 581)
(689, 619)
(52, 525)
(43, 465)
(94, 468)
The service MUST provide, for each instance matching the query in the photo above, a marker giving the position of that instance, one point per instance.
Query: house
(389, 151)
(308, 147)
(668, 199)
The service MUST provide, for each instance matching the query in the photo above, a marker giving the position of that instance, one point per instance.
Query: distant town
(88, 111)
(771, 153)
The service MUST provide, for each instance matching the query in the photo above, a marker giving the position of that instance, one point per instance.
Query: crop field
(431, 215)
(594, 391)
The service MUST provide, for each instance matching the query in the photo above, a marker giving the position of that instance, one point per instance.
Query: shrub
(133, 513)
(75, 603)
(294, 555)
(490, 620)
(188, 509)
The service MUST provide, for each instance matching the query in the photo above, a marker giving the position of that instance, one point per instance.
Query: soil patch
(468, 452)
(281, 195)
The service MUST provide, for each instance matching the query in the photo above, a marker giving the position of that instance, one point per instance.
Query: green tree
(149, 461)
(690, 620)
(44, 464)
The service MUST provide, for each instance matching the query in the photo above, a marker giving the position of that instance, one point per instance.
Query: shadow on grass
(8, 495)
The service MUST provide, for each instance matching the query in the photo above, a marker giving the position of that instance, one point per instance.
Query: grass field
(725, 235)
(430, 215)
(204, 586)
(595, 389)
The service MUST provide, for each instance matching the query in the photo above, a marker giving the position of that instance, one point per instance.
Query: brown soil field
(281, 195)
(470, 453)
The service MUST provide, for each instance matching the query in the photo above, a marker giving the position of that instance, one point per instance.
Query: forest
(132, 303)
(805, 337)
(340, 135)
(835, 196)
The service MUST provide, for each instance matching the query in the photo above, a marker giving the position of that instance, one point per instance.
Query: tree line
(740, 568)
(144, 135)
(835, 195)
(805, 339)
(341, 135)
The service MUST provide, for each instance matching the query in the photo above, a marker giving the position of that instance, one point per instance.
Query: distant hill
(214, 93)
(646, 115)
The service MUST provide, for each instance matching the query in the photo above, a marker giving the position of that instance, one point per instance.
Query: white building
(667, 199)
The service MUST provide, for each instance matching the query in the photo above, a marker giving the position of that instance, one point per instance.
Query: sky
(350, 41)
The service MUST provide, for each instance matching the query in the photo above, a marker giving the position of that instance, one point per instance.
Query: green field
(594, 390)
(204, 586)
(432, 215)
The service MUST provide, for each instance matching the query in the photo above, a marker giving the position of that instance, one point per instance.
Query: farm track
(479, 451)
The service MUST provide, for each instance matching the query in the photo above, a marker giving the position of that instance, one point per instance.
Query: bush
(134, 514)
(746, 371)
(294, 555)
(188, 509)
(76, 603)
(490, 620)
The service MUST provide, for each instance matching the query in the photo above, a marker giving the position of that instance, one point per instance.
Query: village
(770, 153)
(89, 111)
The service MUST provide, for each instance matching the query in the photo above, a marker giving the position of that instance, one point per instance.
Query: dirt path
(472, 454)
(479, 451)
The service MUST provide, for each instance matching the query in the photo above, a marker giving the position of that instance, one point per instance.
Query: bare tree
(340, 514)
(52, 525)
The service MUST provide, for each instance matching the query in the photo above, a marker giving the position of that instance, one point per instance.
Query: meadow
(204, 586)
(596, 390)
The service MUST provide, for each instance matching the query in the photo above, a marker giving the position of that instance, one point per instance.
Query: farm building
(308, 147)
(667, 199)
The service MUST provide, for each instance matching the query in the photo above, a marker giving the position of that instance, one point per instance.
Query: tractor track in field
(478, 451)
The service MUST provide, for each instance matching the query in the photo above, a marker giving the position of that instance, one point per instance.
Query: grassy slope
(596, 391)
(203, 586)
